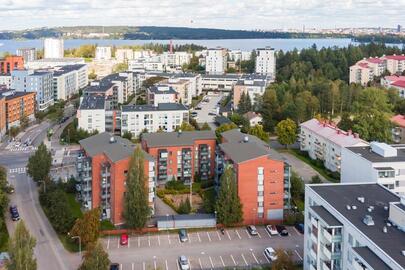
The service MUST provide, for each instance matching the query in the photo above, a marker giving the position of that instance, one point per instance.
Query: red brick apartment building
(17, 104)
(102, 171)
(261, 174)
(181, 155)
(10, 63)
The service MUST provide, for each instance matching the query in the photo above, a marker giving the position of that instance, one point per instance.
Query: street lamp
(80, 243)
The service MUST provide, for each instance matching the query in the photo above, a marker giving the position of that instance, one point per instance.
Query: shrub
(184, 207)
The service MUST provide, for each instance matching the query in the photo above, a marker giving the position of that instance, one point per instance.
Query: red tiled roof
(363, 65)
(398, 119)
(375, 60)
(399, 83)
(396, 57)
(393, 78)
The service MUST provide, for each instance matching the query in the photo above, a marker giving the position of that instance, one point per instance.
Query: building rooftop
(399, 120)
(338, 196)
(115, 150)
(367, 153)
(102, 86)
(399, 83)
(162, 89)
(251, 115)
(166, 139)
(59, 71)
(239, 150)
(326, 216)
(61, 60)
(396, 57)
(332, 133)
(151, 108)
(92, 103)
(224, 76)
(371, 258)
(11, 93)
(248, 82)
(115, 77)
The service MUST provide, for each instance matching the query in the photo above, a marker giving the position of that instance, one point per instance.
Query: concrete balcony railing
(327, 236)
(314, 222)
(314, 237)
(313, 254)
(326, 266)
(327, 253)
(312, 267)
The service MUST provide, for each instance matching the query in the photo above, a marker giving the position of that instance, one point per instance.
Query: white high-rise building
(53, 48)
(353, 227)
(216, 61)
(266, 62)
(103, 53)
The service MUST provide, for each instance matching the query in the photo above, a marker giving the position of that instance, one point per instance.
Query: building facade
(165, 117)
(16, 106)
(353, 227)
(28, 54)
(3, 127)
(102, 173)
(40, 82)
(53, 48)
(398, 131)
(68, 80)
(11, 63)
(5, 79)
(324, 141)
(161, 93)
(262, 177)
(378, 163)
(182, 155)
(123, 55)
(103, 53)
(266, 62)
(253, 86)
(216, 61)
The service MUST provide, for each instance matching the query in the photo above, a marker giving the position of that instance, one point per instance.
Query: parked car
(198, 107)
(124, 239)
(114, 266)
(282, 230)
(15, 216)
(194, 114)
(272, 229)
(183, 263)
(183, 235)
(270, 253)
(300, 227)
(252, 230)
(9, 189)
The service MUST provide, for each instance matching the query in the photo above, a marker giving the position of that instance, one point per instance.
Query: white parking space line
(159, 242)
(168, 237)
(143, 265)
(118, 243)
(209, 237)
(219, 237)
(238, 234)
(248, 234)
(212, 264)
(149, 239)
(243, 257)
(129, 242)
(167, 267)
(267, 232)
(178, 267)
(286, 253)
(199, 239)
(189, 238)
(133, 266)
(254, 257)
(121, 266)
(299, 256)
(228, 235)
(267, 259)
(259, 235)
(298, 233)
(223, 264)
(189, 264)
(139, 241)
(154, 264)
(233, 260)
(108, 243)
(199, 261)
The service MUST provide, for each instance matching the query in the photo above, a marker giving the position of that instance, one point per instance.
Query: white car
(270, 254)
(272, 229)
(183, 263)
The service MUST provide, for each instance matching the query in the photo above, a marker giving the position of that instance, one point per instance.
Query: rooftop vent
(348, 207)
(403, 252)
(361, 199)
(112, 140)
(354, 207)
(383, 149)
(385, 230)
(386, 208)
(368, 220)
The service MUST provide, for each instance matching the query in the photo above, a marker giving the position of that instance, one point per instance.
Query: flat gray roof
(371, 258)
(326, 216)
(102, 87)
(120, 149)
(365, 152)
(339, 196)
(160, 107)
(166, 139)
(155, 89)
(92, 103)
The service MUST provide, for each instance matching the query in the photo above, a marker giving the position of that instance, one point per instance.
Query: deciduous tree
(284, 260)
(286, 131)
(40, 163)
(88, 227)
(21, 249)
(95, 258)
(259, 132)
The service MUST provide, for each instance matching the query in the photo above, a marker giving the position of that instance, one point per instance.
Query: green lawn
(330, 176)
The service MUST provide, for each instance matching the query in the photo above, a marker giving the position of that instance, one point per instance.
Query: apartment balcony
(326, 265)
(314, 222)
(105, 174)
(313, 254)
(85, 188)
(312, 267)
(105, 185)
(314, 237)
(105, 196)
(327, 252)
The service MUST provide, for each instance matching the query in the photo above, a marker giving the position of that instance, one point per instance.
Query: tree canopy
(40, 163)
(21, 249)
(95, 258)
(286, 131)
(88, 227)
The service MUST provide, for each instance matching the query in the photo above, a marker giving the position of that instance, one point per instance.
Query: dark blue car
(15, 216)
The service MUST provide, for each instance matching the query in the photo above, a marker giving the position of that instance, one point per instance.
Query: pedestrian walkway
(305, 171)
(20, 170)
(162, 209)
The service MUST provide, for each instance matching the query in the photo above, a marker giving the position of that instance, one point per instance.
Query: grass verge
(3, 237)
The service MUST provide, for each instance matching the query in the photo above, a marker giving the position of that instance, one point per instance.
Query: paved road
(205, 249)
(49, 251)
(301, 168)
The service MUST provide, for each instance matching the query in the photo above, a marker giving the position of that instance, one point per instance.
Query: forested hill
(155, 32)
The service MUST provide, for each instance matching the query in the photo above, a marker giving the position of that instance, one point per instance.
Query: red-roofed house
(397, 82)
(398, 132)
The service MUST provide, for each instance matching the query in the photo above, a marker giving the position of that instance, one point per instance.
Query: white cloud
(230, 14)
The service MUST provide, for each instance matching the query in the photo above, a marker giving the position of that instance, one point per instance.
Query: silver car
(183, 263)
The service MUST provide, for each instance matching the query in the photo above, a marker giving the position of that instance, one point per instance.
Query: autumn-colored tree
(87, 227)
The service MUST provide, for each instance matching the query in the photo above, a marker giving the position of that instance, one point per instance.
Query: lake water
(242, 44)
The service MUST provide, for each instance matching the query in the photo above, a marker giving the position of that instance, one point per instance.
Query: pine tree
(248, 103)
(95, 258)
(136, 208)
(40, 163)
(242, 104)
(228, 206)
(21, 249)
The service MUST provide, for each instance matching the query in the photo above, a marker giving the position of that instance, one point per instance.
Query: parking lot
(205, 249)
(203, 115)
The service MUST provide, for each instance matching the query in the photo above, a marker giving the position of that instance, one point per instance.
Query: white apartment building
(238, 55)
(53, 62)
(195, 79)
(353, 227)
(325, 142)
(182, 87)
(378, 163)
(266, 62)
(53, 48)
(146, 64)
(143, 54)
(124, 86)
(161, 93)
(176, 59)
(365, 70)
(5, 80)
(103, 53)
(68, 80)
(254, 86)
(165, 116)
(224, 82)
(91, 114)
(29, 54)
(123, 55)
(216, 61)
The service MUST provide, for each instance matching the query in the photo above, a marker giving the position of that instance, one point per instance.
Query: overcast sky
(228, 14)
